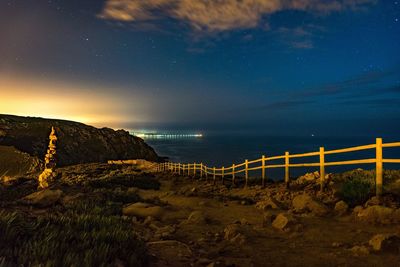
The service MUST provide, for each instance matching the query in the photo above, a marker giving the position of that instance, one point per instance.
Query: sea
(217, 150)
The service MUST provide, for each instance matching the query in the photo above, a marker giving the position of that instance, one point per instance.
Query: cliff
(77, 142)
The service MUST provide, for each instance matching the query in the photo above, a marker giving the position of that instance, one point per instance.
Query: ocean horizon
(218, 150)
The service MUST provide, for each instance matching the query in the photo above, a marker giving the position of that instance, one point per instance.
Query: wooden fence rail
(262, 164)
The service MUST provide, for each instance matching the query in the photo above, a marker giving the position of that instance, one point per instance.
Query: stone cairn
(49, 162)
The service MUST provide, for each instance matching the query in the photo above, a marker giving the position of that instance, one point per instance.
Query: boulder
(376, 214)
(341, 207)
(43, 198)
(389, 243)
(283, 222)
(305, 203)
(269, 203)
(143, 210)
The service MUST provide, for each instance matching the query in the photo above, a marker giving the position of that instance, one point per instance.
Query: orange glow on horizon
(59, 100)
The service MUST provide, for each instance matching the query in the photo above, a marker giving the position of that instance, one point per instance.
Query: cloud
(219, 15)
(360, 82)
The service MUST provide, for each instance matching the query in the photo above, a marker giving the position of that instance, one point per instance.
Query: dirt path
(233, 233)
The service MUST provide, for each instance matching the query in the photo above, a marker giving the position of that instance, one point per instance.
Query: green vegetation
(356, 191)
(357, 186)
(87, 229)
(88, 233)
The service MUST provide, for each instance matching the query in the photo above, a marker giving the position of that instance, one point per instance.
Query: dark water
(224, 150)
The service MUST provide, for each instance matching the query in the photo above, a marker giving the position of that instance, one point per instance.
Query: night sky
(287, 67)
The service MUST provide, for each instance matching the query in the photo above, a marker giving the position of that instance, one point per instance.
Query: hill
(77, 142)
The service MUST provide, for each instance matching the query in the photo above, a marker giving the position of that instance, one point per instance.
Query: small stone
(389, 243)
(269, 203)
(373, 201)
(244, 221)
(359, 250)
(357, 209)
(337, 244)
(196, 217)
(283, 222)
(268, 218)
(341, 207)
(239, 239)
(231, 231)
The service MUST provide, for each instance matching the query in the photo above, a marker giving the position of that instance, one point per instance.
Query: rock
(244, 221)
(389, 243)
(376, 214)
(372, 202)
(268, 218)
(231, 231)
(283, 222)
(304, 203)
(196, 217)
(239, 239)
(165, 232)
(357, 209)
(308, 177)
(359, 250)
(337, 244)
(170, 252)
(341, 207)
(143, 210)
(269, 203)
(43, 198)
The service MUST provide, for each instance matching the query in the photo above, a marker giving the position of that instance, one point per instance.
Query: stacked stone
(50, 161)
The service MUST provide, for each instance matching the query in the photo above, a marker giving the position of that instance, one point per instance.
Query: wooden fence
(262, 164)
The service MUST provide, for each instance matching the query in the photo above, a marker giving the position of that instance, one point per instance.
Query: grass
(88, 233)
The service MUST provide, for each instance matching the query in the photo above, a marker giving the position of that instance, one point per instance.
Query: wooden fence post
(246, 165)
(233, 174)
(379, 167)
(223, 172)
(263, 170)
(287, 169)
(194, 169)
(188, 169)
(322, 167)
(201, 170)
(214, 175)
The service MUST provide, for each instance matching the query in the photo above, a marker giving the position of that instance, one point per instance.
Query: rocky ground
(185, 221)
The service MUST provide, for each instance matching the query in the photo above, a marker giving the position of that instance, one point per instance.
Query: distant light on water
(147, 135)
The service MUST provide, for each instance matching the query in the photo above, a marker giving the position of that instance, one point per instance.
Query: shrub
(356, 191)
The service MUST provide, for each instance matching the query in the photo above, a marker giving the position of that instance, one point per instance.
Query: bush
(356, 191)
